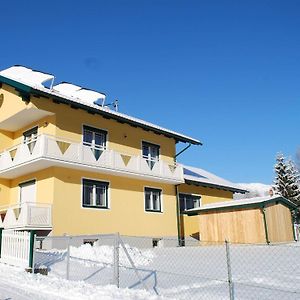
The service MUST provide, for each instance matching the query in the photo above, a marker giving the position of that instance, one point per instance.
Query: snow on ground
(255, 190)
(199, 272)
(104, 254)
(16, 284)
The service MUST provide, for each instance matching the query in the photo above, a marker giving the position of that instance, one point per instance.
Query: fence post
(68, 258)
(229, 274)
(0, 239)
(116, 278)
(31, 249)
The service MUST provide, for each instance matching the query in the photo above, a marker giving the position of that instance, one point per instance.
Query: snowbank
(16, 284)
(105, 254)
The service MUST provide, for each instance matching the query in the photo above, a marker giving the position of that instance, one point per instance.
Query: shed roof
(31, 87)
(244, 203)
(202, 177)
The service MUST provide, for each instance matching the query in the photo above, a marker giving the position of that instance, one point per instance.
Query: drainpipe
(265, 223)
(178, 216)
(0, 239)
(178, 201)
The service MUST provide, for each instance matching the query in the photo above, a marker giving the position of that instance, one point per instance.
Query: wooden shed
(255, 220)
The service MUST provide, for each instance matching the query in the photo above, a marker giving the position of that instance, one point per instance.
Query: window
(95, 194)
(152, 199)
(95, 139)
(150, 153)
(188, 201)
(30, 137)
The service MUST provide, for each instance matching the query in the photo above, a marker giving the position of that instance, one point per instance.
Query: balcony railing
(26, 216)
(72, 154)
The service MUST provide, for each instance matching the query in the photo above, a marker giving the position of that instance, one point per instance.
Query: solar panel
(78, 92)
(27, 76)
(191, 173)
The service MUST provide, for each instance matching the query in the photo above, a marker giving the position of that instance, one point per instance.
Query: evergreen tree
(287, 179)
(287, 182)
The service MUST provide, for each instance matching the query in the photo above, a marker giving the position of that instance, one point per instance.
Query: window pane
(87, 195)
(156, 201)
(145, 150)
(100, 139)
(154, 152)
(182, 203)
(148, 200)
(196, 202)
(101, 196)
(87, 136)
(189, 203)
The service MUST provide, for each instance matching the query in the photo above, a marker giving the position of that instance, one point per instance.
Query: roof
(201, 177)
(244, 203)
(31, 82)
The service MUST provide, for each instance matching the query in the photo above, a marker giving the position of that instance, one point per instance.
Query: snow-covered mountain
(255, 190)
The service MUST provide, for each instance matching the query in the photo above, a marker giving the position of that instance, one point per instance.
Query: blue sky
(225, 72)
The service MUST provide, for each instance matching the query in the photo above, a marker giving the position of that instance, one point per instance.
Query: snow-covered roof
(204, 178)
(35, 79)
(250, 202)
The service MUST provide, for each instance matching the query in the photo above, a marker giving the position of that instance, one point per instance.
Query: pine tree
(287, 182)
(287, 179)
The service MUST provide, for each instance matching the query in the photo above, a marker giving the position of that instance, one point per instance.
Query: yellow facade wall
(190, 224)
(6, 138)
(11, 102)
(4, 192)
(44, 186)
(126, 214)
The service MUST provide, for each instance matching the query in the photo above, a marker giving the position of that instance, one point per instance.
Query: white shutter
(27, 192)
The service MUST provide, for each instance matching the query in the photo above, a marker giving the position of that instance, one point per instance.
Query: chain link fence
(199, 270)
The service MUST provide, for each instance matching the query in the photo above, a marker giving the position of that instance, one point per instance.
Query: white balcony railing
(63, 151)
(26, 216)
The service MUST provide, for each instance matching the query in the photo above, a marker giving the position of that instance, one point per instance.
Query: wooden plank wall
(237, 226)
(279, 223)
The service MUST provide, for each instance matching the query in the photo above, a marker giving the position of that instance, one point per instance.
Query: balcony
(35, 216)
(46, 151)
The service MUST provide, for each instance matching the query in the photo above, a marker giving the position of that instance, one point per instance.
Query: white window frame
(94, 206)
(30, 140)
(150, 160)
(160, 199)
(189, 195)
(94, 130)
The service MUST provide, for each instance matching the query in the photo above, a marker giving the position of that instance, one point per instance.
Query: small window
(95, 194)
(152, 200)
(30, 137)
(96, 139)
(188, 201)
(150, 153)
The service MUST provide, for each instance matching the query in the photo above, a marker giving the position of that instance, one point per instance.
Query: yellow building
(71, 165)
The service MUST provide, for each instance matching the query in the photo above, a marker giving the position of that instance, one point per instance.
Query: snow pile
(255, 190)
(16, 284)
(105, 254)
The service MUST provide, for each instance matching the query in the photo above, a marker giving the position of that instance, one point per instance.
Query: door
(27, 192)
